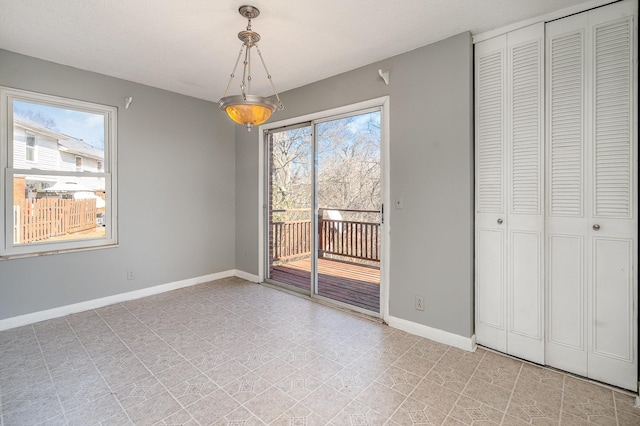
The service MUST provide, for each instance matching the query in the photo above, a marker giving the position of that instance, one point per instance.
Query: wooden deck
(350, 283)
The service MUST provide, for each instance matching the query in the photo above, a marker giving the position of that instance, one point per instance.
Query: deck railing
(290, 239)
(355, 239)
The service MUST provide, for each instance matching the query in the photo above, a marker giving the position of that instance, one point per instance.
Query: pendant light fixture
(247, 109)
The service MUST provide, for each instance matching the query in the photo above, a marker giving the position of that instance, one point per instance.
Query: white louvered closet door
(525, 218)
(592, 184)
(509, 202)
(491, 234)
(566, 223)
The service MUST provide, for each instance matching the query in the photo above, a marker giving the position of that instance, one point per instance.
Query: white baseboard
(461, 342)
(246, 276)
(61, 311)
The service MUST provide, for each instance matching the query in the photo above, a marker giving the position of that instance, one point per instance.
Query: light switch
(399, 203)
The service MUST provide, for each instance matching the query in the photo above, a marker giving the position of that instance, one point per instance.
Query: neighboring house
(36, 147)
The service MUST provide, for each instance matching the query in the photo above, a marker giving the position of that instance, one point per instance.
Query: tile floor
(234, 353)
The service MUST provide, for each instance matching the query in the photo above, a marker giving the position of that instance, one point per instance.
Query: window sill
(54, 252)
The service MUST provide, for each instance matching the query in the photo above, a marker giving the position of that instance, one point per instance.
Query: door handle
(499, 221)
(596, 227)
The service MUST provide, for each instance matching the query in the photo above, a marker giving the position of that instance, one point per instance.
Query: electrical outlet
(130, 274)
(419, 303)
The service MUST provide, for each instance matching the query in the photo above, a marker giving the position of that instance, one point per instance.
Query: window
(63, 198)
(30, 147)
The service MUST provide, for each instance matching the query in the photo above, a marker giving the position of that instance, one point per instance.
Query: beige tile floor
(235, 353)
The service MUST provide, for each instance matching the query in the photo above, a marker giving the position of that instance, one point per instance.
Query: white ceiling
(190, 46)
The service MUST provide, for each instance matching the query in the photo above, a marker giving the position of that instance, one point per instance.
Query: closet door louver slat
(525, 130)
(566, 111)
(490, 133)
(613, 121)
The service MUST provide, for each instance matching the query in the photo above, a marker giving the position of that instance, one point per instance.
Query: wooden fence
(348, 238)
(44, 218)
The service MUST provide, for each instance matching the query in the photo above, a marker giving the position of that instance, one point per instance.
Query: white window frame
(9, 249)
(78, 163)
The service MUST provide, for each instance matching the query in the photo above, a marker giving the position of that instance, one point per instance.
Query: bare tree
(349, 164)
(348, 160)
(291, 171)
(37, 117)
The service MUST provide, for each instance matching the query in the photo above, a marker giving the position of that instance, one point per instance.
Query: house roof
(77, 146)
(190, 47)
(68, 143)
(36, 127)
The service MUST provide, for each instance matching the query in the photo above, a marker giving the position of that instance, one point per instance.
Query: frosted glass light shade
(243, 114)
(252, 111)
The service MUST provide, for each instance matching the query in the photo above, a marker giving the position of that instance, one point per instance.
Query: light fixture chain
(273, 87)
(249, 70)
(243, 86)
(233, 73)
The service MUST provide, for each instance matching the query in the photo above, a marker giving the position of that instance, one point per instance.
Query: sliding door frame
(266, 192)
(381, 104)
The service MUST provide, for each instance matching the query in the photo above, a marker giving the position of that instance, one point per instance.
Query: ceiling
(190, 46)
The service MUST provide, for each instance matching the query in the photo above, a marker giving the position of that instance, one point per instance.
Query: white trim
(543, 18)
(10, 249)
(61, 311)
(385, 152)
(345, 109)
(461, 342)
(246, 276)
(261, 206)
(383, 103)
(346, 307)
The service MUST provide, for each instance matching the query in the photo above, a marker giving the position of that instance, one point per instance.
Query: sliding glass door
(289, 203)
(349, 209)
(324, 208)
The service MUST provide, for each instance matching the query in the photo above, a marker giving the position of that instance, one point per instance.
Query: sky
(78, 124)
(361, 122)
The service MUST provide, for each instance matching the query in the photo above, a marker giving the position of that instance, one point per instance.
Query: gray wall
(431, 167)
(176, 154)
(247, 199)
(176, 176)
